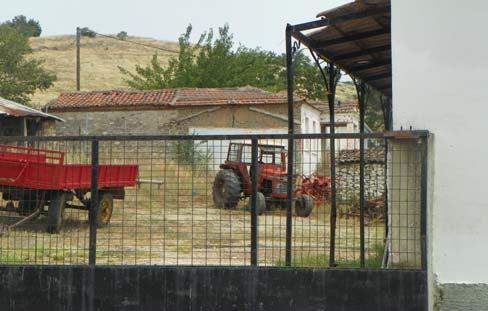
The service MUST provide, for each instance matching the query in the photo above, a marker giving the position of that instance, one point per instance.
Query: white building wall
(311, 148)
(440, 66)
(218, 149)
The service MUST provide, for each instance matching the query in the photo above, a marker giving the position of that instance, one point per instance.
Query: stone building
(346, 121)
(193, 111)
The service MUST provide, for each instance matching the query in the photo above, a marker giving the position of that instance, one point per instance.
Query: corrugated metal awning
(11, 108)
(356, 37)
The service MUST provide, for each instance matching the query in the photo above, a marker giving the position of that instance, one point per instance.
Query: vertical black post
(362, 108)
(78, 66)
(254, 207)
(333, 208)
(93, 212)
(423, 202)
(291, 144)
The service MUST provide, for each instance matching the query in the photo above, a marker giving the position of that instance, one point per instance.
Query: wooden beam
(385, 62)
(355, 37)
(362, 52)
(197, 114)
(274, 115)
(376, 77)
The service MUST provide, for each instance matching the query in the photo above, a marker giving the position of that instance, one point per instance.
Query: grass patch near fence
(372, 261)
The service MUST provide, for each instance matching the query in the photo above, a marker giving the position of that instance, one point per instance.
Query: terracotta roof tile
(340, 106)
(164, 98)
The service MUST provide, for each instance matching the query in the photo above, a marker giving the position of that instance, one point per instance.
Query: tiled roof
(165, 98)
(340, 106)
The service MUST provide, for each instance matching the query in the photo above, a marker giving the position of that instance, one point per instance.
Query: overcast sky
(253, 22)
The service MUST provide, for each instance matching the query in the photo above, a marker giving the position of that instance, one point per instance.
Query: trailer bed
(41, 169)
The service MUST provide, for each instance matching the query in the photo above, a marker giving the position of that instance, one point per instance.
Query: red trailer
(37, 178)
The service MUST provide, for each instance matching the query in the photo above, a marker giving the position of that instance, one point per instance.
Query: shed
(19, 120)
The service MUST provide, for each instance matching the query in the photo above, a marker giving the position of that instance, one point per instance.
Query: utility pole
(78, 35)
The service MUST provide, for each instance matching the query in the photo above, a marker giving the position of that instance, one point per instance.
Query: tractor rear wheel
(303, 206)
(226, 189)
(260, 203)
(55, 213)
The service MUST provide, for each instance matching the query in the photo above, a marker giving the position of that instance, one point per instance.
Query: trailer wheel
(260, 203)
(226, 189)
(303, 206)
(105, 209)
(55, 213)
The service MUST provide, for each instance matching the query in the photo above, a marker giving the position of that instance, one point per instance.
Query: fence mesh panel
(188, 202)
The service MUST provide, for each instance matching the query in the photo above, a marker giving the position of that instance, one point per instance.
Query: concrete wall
(439, 83)
(56, 288)
(404, 171)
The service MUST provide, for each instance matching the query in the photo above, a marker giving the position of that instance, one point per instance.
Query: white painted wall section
(218, 148)
(310, 148)
(440, 68)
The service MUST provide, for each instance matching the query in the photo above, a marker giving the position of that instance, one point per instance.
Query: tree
(214, 62)
(374, 117)
(19, 76)
(87, 32)
(29, 28)
(122, 35)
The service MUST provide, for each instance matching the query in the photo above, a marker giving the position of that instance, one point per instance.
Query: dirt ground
(177, 223)
(190, 232)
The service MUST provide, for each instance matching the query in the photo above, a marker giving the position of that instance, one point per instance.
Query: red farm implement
(37, 178)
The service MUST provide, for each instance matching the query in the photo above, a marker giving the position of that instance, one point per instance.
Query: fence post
(254, 207)
(333, 185)
(93, 211)
(362, 110)
(423, 203)
(291, 144)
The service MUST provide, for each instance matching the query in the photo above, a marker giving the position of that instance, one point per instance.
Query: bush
(188, 152)
(122, 35)
(29, 28)
(87, 32)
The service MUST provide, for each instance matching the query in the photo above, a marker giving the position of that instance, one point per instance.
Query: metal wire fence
(213, 200)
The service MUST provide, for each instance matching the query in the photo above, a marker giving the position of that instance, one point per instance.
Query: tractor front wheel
(226, 189)
(260, 203)
(303, 206)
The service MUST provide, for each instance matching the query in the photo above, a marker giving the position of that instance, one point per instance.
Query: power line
(138, 43)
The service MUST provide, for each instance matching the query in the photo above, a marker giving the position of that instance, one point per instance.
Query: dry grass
(346, 92)
(99, 60)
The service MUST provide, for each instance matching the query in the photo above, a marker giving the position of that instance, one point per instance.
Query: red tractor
(233, 181)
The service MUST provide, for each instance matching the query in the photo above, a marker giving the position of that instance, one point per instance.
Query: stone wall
(348, 185)
(171, 121)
